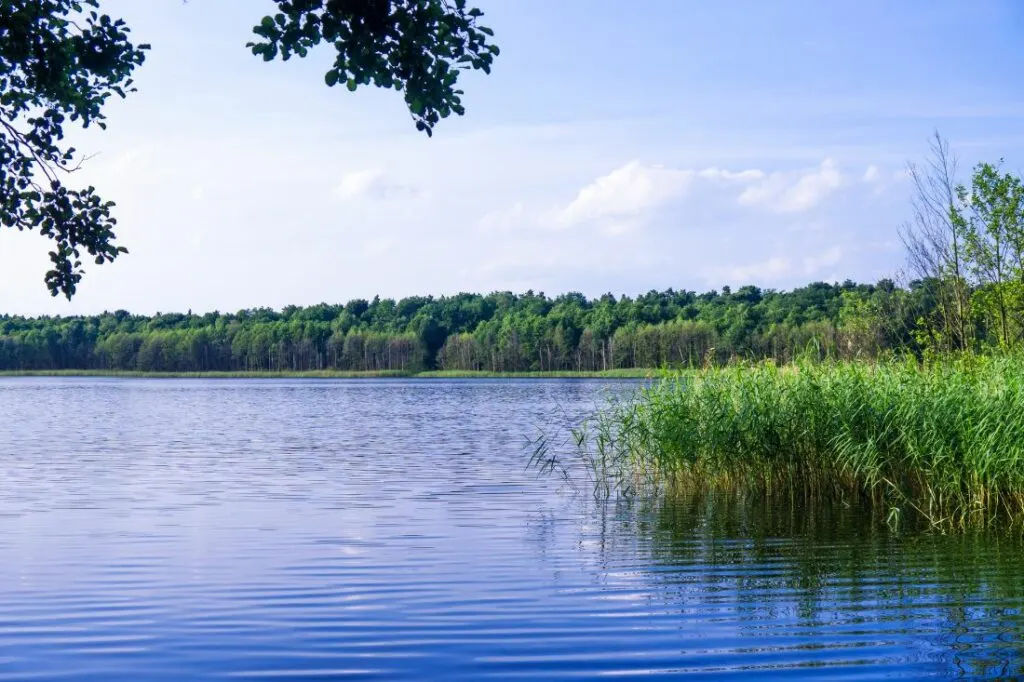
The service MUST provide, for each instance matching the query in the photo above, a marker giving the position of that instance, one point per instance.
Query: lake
(331, 529)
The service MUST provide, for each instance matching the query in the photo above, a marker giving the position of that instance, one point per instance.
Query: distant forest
(496, 332)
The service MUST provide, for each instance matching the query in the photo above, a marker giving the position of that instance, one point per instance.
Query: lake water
(275, 530)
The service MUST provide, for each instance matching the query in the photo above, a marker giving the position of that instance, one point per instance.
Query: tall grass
(944, 440)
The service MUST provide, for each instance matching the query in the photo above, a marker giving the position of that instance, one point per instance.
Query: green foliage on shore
(966, 245)
(498, 332)
(943, 440)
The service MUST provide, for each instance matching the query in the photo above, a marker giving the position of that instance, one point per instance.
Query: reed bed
(944, 440)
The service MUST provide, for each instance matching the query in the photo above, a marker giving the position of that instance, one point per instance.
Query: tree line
(497, 332)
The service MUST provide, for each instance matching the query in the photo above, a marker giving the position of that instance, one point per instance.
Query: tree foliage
(994, 237)
(60, 61)
(418, 47)
(501, 331)
(967, 245)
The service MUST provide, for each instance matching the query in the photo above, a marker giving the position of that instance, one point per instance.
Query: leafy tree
(501, 331)
(418, 47)
(995, 246)
(61, 60)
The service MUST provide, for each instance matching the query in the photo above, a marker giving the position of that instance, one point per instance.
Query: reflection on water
(334, 529)
(817, 585)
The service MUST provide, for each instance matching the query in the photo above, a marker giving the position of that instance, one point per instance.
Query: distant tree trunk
(935, 241)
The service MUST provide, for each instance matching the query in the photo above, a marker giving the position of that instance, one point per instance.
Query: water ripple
(297, 530)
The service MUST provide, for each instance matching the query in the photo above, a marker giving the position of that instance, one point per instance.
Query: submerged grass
(943, 440)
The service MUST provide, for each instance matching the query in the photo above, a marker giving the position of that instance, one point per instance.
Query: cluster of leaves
(418, 47)
(60, 61)
(991, 217)
(496, 332)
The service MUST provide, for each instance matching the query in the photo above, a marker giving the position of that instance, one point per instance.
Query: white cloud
(370, 184)
(356, 184)
(619, 199)
(506, 219)
(740, 176)
(791, 193)
(882, 180)
(625, 192)
(628, 197)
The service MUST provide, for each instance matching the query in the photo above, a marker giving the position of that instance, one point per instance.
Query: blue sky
(617, 146)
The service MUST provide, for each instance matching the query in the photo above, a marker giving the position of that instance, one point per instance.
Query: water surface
(328, 529)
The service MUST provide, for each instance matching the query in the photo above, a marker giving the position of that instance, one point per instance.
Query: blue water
(279, 530)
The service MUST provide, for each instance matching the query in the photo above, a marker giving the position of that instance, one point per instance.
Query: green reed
(943, 440)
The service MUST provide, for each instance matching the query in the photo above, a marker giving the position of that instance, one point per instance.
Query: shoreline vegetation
(633, 373)
(500, 332)
(940, 441)
(914, 405)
